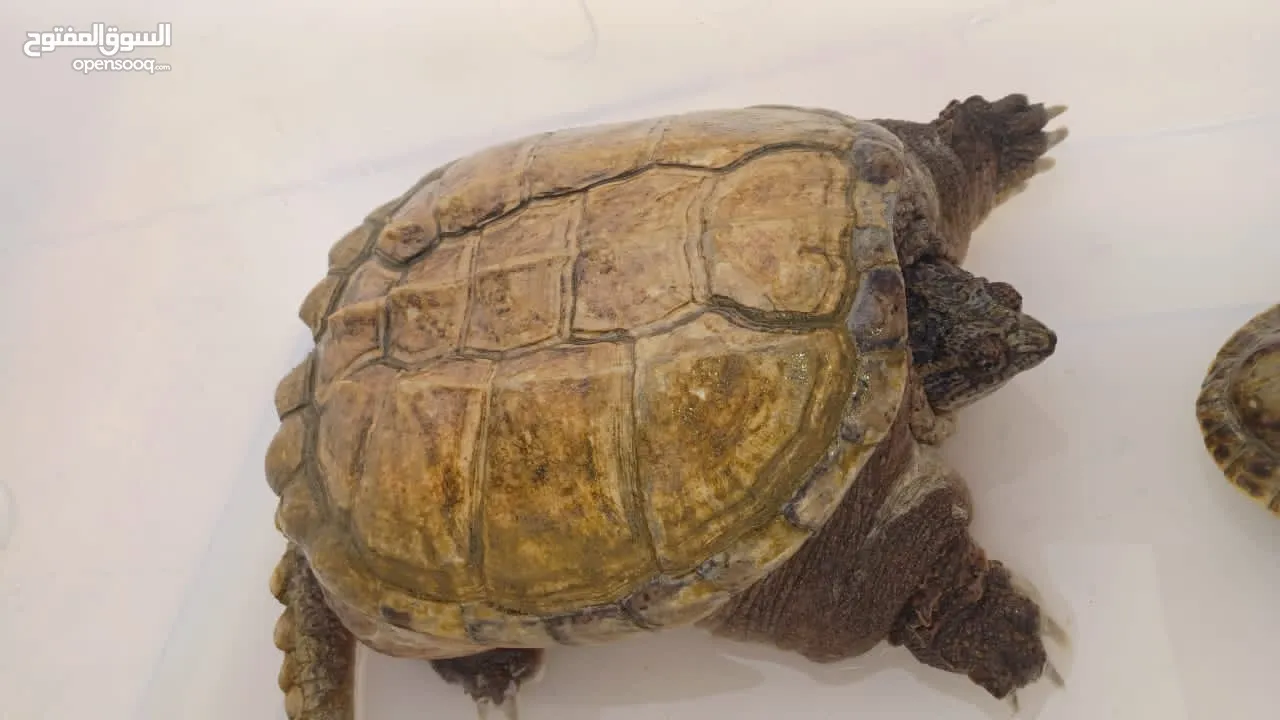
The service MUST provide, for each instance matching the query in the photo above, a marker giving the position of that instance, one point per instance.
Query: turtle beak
(1031, 343)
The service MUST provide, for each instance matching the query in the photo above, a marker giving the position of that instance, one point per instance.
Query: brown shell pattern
(1239, 408)
(589, 382)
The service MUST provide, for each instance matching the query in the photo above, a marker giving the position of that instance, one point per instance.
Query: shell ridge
(531, 154)
(697, 224)
(472, 280)
(827, 480)
(569, 271)
(634, 491)
(657, 134)
(478, 486)
(722, 169)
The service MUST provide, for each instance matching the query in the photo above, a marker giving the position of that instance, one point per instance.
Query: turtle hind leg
(317, 675)
(493, 678)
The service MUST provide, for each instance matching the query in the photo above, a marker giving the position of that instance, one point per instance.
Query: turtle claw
(1054, 676)
(1054, 111)
(1004, 195)
(1012, 702)
(1052, 630)
(508, 708)
(1056, 136)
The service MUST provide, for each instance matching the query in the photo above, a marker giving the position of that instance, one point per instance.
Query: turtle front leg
(973, 157)
(1002, 143)
(493, 678)
(318, 672)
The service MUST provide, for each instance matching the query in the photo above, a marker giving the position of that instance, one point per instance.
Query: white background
(160, 231)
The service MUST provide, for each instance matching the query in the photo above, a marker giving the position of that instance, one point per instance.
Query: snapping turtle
(684, 370)
(1239, 408)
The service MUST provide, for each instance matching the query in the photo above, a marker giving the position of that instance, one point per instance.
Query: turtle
(693, 370)
(1238, 408)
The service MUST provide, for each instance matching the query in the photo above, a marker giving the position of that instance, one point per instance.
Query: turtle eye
(1003, 293)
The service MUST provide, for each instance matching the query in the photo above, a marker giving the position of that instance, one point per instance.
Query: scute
(1239, 408)
(591, 382)
(638, 264)
(728, 420)
(561, 526)
(791, 195)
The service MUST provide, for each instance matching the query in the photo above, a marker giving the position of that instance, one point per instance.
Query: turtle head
(999, 145)
(968, 335)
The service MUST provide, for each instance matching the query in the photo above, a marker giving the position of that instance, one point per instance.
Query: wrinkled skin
(918, 578)
(974, 156)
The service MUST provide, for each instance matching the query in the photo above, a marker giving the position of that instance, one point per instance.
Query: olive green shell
(1239, 408)
(593, 381)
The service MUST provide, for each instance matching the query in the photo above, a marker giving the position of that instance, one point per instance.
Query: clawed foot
(1012, 129)
(1050, 672)
(1025, 142)
(1054, 635)
(507, 708)
(493, 678)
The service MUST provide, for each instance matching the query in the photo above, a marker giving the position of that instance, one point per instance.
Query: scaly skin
(317, 675)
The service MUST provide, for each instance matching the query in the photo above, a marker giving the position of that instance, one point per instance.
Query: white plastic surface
(160, 231)
(7, 515)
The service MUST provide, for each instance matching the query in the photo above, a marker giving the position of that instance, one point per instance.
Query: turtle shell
(594, 381)
(1239, 408)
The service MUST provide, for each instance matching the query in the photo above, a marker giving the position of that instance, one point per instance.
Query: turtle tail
(318, 672)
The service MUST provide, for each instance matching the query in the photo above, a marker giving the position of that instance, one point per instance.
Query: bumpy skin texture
(969, 336)
(969, 618)
(974, 156)
(493, 676)
(399, 457)
(896, 562)
(1239, 408)
(317, 673)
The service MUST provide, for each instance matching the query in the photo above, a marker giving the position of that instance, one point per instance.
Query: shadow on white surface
(161, 232)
